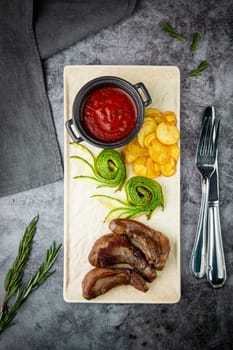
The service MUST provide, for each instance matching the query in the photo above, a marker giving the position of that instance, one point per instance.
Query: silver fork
(206, 164)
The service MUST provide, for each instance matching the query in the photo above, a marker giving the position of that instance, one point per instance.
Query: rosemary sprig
(197, 72)
(167, 28)
(14, 276)
(196, 38)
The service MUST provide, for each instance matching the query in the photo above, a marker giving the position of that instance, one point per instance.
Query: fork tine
(201, 147)
(208, 140)
(208, 137)
(202, 136)
(215, 142)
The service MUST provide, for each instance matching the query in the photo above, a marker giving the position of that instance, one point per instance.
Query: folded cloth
(61, 23)
(29, 152)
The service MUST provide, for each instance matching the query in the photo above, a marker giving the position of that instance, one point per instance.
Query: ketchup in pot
(109, 114)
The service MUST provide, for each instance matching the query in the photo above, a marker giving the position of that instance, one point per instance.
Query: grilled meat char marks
(114, 249)
(100, 280)
(154, 244)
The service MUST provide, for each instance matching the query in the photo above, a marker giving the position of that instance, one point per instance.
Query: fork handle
(216, 268)
(198, 257)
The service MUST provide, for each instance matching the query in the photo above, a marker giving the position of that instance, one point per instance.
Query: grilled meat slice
(99, 280)
(154, 244)
(114, 249)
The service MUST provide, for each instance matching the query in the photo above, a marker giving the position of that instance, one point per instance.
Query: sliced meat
(150, 248)
(154, 244)
(99, 280)
(114, 249)
(165, 248)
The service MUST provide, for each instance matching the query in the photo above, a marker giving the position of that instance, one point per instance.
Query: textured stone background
(203, 318)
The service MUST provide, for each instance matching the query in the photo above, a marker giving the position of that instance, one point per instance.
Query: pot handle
(70, 131)
(145, 92)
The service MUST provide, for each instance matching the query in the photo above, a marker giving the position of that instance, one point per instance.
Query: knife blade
(214, 182)
(214, 188)
(216, 269)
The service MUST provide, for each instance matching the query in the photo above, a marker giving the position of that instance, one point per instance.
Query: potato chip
(128, 157)
(148, 127)
(149, 163)
(154, 113)
(148, 118)
(133, 150)
(157, 169)
(158, 118)
(139, 167)
(167, 134)
(174, 151)
(169, 168)
(149, 138)
(169, 118)
(154, 151)
(159, 152)
(145, 166)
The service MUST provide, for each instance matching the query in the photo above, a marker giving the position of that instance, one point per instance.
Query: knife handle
(216, 268)
(198, 257)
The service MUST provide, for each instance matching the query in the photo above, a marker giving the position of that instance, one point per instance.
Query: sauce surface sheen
(109, 114)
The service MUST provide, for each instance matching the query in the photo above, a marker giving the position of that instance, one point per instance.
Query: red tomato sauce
(109, 114)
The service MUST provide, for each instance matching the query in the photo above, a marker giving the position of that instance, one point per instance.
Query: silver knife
(216, 268)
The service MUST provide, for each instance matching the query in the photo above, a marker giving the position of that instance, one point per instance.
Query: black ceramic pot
(138, 94)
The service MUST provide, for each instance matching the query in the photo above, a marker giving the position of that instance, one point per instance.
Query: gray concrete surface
(203, 317)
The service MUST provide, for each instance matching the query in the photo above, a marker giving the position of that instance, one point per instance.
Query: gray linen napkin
(61, 23)
(29, 150)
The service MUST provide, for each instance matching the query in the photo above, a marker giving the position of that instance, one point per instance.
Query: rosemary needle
(196, 38)
(198, 71)
(167, 28)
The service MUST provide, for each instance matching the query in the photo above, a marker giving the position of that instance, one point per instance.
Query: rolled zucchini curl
(143, 197)
(108, 168)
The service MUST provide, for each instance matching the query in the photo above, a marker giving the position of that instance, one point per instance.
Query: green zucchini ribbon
(143, 196)
(108, 168)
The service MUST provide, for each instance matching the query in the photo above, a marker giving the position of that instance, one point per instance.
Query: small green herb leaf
(196, 38)
(167, 28)
(197, 72)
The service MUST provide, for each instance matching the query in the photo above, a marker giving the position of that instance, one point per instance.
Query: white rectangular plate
(84, 216)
